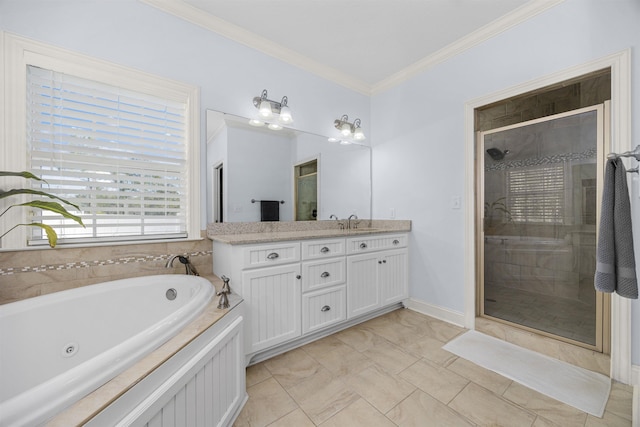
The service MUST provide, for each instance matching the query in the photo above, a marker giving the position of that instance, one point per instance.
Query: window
(119, 143)
(536, 194)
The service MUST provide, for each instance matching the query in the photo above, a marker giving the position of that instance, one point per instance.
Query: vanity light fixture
(268, 109)
(348, 129)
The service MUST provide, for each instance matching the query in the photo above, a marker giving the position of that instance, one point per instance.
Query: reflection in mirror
(314, 178)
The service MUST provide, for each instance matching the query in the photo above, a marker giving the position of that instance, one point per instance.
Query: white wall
(418, 128)
(258, 167)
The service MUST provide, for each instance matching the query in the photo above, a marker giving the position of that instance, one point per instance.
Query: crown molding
(233, 32)
(484, 33)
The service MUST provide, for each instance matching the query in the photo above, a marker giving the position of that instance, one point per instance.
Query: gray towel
(615, 259)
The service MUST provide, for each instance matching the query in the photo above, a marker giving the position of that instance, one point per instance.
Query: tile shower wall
(26, 274)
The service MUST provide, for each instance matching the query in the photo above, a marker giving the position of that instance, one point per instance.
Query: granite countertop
(89, 406)
(252, 233)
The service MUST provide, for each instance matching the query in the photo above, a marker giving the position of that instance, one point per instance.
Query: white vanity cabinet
(297, 290)
(377, 269)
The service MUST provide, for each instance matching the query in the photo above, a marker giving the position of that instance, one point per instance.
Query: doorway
(538, 189)
(306, 190)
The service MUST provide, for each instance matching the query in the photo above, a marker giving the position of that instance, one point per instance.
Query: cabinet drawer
(270, 254)
(323, 308)
(356, 245)
(323, 273)
(315, 249)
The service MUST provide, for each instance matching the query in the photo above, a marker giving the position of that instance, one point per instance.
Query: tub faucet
(224, 299)
(189, 268)
(352, 216)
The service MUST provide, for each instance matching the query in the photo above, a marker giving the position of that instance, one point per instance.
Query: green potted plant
(51, 206)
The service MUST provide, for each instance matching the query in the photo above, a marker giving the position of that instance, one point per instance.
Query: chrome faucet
(340, 224)
(189, 268)
(352, 216)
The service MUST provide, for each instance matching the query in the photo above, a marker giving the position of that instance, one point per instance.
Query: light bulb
(358, 135)
(265, 109)
(274, 126)
(285, 115)
(345, 129)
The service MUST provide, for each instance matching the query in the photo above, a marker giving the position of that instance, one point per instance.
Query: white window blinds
(121, 156)
(536, 194)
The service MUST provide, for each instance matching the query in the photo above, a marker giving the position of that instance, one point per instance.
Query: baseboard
(445, 314)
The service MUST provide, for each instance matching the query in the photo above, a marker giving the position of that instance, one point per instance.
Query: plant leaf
(23, 174)
(16, 191)
(53, 207)
(52, 236)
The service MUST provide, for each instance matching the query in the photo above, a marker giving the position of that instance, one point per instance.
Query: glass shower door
(539, 193)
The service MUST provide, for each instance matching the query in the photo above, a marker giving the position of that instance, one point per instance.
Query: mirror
(248, 164)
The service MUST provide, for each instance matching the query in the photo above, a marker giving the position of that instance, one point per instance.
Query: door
(274, 298)
(363, 288)
(306, 191)
(539, 185)
(393, 279)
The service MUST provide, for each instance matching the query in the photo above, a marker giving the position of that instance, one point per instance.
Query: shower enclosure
(539, 186)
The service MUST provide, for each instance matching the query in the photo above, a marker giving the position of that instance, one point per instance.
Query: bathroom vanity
(301, 285)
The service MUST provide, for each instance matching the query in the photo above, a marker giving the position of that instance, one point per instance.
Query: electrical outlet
(456, 202)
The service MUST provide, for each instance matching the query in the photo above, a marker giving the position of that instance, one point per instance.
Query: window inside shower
(538, 189)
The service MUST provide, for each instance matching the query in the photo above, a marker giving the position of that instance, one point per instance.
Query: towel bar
(256, 201)
(634, 153)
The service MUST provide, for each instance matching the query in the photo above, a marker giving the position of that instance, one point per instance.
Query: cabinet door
(274, 298)
(363, 292)
(393, 279)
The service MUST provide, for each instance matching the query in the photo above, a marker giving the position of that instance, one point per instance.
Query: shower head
(497, 154)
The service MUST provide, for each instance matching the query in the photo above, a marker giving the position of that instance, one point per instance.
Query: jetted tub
(56, 348)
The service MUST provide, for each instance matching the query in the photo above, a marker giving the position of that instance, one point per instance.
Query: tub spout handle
(224, 299)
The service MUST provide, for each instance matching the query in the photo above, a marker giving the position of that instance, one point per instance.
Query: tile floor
(392, 371)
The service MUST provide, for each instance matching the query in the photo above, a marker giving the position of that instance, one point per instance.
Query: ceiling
(366, 45)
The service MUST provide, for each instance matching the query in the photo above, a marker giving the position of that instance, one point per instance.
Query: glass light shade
(274, 126)
(265, 109)
(256, 122)
(358, 135)
(285, 115)
(345, 129)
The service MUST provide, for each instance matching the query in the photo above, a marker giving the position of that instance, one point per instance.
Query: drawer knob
(325, 308)
(396, 242)
(273, 255)
(298, 277)
(363, 245)
(325, 274)
(324, 250)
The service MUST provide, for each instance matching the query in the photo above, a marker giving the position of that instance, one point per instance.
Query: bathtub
(57, 348)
